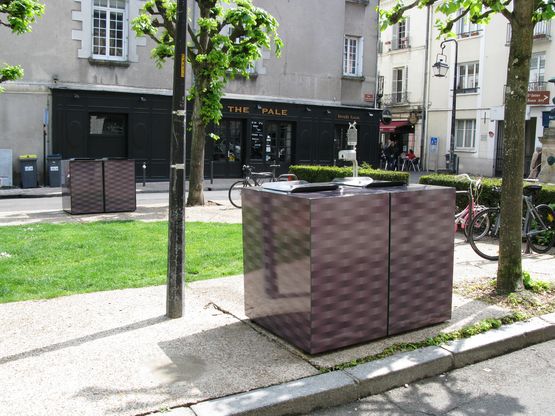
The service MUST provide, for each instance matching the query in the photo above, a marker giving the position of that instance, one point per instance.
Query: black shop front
(261, 133)
(97, 124)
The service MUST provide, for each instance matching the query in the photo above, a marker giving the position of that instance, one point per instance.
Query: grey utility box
(54, 168)
(6, 168)
(28, 171)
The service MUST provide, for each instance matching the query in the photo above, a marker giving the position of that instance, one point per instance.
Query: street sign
(433, 144)
(547, 116)
(538, 97)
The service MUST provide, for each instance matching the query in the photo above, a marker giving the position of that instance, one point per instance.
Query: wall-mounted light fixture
(76, 96)
(259, 106)
(142, 99)
(308, 109)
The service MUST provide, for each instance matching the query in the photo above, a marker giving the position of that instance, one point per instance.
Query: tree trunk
(509, 271)
(196, 173)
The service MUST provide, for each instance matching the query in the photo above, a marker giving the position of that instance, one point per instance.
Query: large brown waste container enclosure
(330, 269)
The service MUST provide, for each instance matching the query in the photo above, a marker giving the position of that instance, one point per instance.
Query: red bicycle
(463, 219)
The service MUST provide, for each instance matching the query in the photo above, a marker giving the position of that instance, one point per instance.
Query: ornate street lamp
(440, 70)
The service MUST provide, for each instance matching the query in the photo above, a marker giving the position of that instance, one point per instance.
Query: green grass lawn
(46, 260)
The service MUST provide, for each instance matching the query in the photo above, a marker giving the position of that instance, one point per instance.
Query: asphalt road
(521, 383)
(55, 203)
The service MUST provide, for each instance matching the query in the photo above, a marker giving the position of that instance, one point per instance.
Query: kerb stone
(379, 376)
(296, 397)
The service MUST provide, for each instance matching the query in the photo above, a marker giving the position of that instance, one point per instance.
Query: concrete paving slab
(114, 353)
(226, 292)
(465, 312)
(298, 396)
(382, 375)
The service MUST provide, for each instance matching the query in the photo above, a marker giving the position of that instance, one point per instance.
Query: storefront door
(226, 155)
(271, 143)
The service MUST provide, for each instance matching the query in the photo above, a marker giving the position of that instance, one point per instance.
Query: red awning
(390, 128)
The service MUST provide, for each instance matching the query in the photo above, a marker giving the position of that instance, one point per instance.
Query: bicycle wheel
(541, 234)
(484, 234)
(466, 220)
(236, 190)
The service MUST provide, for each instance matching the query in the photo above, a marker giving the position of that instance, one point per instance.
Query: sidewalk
(219, 184)
(150, 187)
(115, 352)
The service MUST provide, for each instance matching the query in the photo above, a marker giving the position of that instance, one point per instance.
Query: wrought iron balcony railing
(542, 31)
(396, 98)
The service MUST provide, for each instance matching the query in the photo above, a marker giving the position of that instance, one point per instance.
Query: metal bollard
(211, 172)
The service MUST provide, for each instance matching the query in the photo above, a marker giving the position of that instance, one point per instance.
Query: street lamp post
(176, 210)
(440, 70)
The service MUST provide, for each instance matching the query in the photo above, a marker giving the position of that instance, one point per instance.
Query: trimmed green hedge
(328, 173)
(488, 197)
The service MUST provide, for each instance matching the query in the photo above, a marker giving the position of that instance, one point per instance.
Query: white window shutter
(406, 80)
(407, 32)
(395, 36)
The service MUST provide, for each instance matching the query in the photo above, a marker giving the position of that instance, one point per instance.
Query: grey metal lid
(366, 182)
(294, 187)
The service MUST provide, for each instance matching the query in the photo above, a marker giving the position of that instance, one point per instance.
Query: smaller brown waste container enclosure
(82, 187)
(329, 269)
(119, 185)
(96, 186)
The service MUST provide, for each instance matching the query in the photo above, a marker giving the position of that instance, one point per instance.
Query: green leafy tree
(17, 15)
(522, 16)
(227, 41)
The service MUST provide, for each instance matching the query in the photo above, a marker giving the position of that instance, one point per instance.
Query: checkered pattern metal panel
(85, 187)
(276, 241)
(66, 196)
(349, 270)
(119, 186)
(421, 258)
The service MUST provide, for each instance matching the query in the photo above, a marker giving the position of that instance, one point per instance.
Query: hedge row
(488, 197)
(328, 173)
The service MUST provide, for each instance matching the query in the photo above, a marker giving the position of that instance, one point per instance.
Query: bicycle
(253, 178)
(464, 217)
(538, 227)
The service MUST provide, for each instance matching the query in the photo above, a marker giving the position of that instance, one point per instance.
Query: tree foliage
(225, 42)
(18, 16)
(522, 16)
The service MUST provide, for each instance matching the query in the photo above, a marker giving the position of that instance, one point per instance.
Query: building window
(109, 29)
(465, 134)
(537, 72)
(468, 77)
(465, 28)
(400, 35)
(352, 56)
(399, 85)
